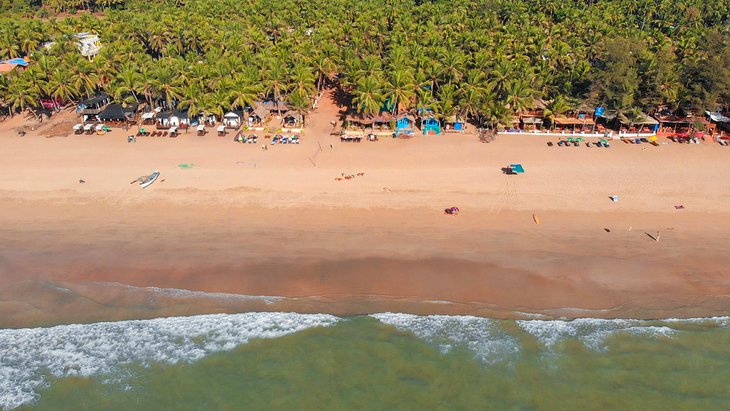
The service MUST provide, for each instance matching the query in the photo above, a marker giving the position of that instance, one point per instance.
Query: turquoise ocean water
(284, 361)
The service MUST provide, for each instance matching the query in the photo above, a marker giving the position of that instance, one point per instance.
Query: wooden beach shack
(579, 120)
(670, 124)
(257, 116)
(380, 125)
(91, 107)
(291, 119)
(118, 114)
(531, 118)
(273, 107)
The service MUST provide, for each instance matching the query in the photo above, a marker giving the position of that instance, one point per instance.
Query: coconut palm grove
(484, 60)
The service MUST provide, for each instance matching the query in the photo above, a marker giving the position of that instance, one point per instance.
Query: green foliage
(483, 59)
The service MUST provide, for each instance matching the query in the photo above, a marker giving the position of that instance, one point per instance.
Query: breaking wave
(483, 336)
(28, 355)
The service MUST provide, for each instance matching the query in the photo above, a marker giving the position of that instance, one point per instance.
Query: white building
(88, 44)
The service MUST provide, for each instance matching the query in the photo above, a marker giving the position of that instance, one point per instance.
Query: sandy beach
(278, 223)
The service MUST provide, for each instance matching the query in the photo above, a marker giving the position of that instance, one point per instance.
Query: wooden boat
(149, 179)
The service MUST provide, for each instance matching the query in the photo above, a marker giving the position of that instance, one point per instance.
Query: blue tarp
(18, 61)
(516, 168)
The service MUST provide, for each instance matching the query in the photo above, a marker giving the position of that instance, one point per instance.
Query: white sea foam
(483, 336)
(591, 331)
(26, 355)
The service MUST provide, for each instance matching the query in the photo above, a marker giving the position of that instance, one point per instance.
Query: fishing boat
(149, 179)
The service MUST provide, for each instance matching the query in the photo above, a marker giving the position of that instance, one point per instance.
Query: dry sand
(243, 221)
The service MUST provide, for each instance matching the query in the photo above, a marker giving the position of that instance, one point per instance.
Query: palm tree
(518, 95)
(558, 106)
(20, 96)
(274, 80)
(61, 87)
(126, 83)
(164, 84)
(399, 89)
(302, 80)
(301, 103)
(243, 92)
(368, 95)
(191, 99)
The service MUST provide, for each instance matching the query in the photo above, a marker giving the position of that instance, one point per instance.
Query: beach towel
(187, 165)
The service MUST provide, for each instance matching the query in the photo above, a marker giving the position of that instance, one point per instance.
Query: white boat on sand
(149, 179)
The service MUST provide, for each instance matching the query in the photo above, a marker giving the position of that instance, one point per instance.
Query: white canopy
(231, 114)
(201, 127)
(148, 116)
(78, 127)
(718, 117)
(99, 127)
(221, 129)
(173, 129)
(89, 127)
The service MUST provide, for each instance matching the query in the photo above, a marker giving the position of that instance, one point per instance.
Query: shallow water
(385, 361)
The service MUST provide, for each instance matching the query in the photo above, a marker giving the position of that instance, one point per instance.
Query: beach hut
(642, 124)
(430, 124)
(404, 124)
(257, 116)
(579, 120)
(201, 130)
(118, 114)
(233, 119)
(78, 129)
(273, 107)
(454, 124)
(679, 122)
(91, 107)
(291, 119)
(222, 131)
(173, 118)
(531, 118)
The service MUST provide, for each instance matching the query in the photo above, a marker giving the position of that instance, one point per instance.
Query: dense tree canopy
(485, 59)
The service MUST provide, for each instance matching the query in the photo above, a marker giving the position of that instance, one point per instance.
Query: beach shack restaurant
(90, 108)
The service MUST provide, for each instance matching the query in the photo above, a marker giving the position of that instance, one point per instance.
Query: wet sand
(69, 263)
